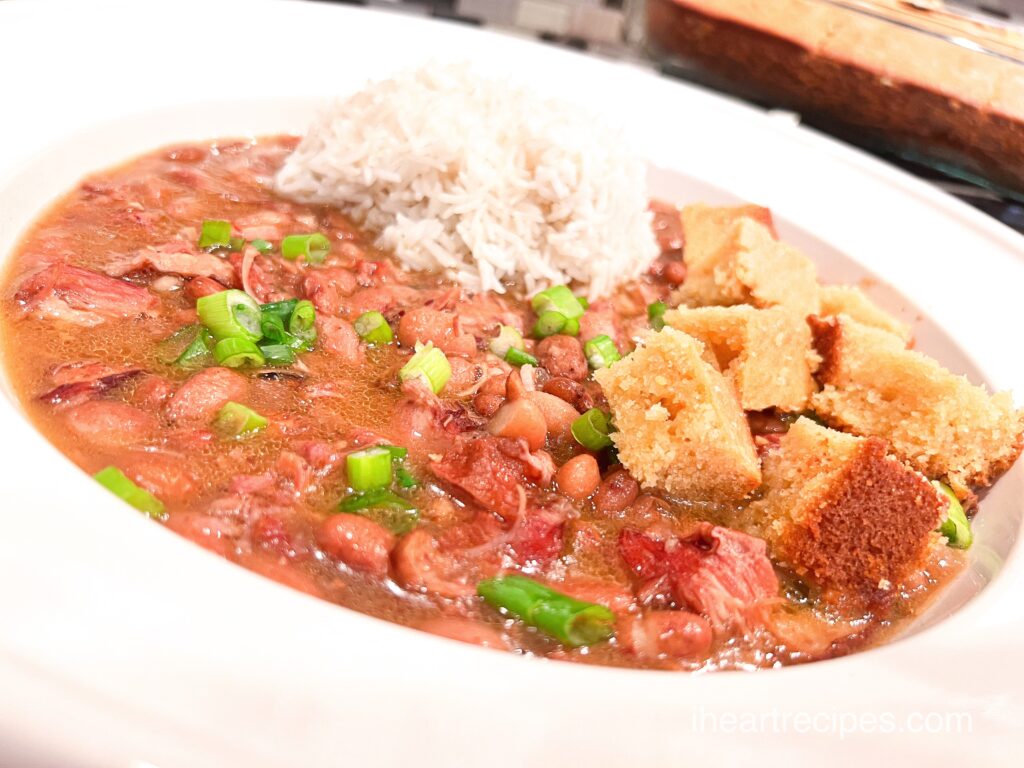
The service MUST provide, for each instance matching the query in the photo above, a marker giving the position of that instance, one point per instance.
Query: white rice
(484, 181)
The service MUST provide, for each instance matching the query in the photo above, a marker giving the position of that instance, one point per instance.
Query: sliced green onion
(955, 526)
(236, 243)
(570, 621)
(519, 357)
(548, 324)
(398, 453)
(279, 309)
(115, 481)
(230, 314)
(369, 468)
(273, 330)
(302, 324)
(591, 430)
(238, 353)
(656, 314)
(277, 354)
(262, 245)
(429, 364)
(237, 420)
(384, 507)
(571, 327)
(507, 338)
(313, 247)
(215, 234)
(558, 299)
(404, 478)
(601, 352)
(199, 353)
(583, 302)
(373, 328)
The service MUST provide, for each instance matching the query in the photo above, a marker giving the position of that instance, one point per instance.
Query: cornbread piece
(847, 518)
(680, 426)
(765, 353)
(937, 422)
(742, 263)
(849, 300)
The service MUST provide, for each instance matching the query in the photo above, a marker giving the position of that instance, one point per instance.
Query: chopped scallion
(238, 353)
(507, 338)
(312, 247)
(548, 324)
(230, 314)
(570, 621)
(519, 357)
(571, 327)
(373, 328)
(237, 420)
(115, 481)
(279, 309)
(302, 324)
(591, 430)
(236, 243)
(601, 352)
(369, 468)
(558, 299)
(383, 506)
(405, 478)
(262, 245)
(429, 364)
(398, 453)
(199, 353)
(273, 330)
(955, 525)
(215, 234)
(277, 354)
(656, 314)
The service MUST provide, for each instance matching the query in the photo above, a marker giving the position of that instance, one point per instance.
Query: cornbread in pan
(679, 423)
(937, 422)
(765, 353)
(846, 517)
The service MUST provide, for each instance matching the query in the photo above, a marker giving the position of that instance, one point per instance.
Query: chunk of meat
(110, 423)
(601, 319)
(424, 423)
(213, 532)
(358, 542)
(167, 476)
(440, 327)
(724, 574)
(78, 382)
(420, 565)
(386, 299)
(82, 296)
(205, 393)
(604, 592)
(173, 259)
(263, 225)
(563, 356)
(198, 287)
(573, 392)
(328, 288)
(488, 470)
(339, 337)
(151, 392)
(665, 634)
(466, 631)
(536, 537)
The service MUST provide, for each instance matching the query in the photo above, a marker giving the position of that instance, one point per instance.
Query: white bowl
(123, 644)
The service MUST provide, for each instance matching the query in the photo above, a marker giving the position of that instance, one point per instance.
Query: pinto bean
(574, 393)
(487, 405)
(675, 634)
(579, 476)
(205, 393)
(421, 567)
(339, 337)
(198, 287)
(108, 422)
(617, 492)
(558, 414)
(514, 387)
(360, 543)
(165, 476)
(520, 419)
(466, 631)
(563, 356)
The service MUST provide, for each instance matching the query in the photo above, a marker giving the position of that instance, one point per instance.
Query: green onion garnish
(656, 314)
(570, 621)
(262, 245)
(313, 247)
(383, 506)
(230, 314)
(238, 353)
(373, 328)
(571, 327)
(369, 468)
(302, 324)
(429, 364)
(583, 302)
(279, 309)
(237, 420)
(519, 357)
(591, 430)
(215, 234)
(404, 478)
(548, 324)
(507, 338)
(558, 299)
(115, 481)
(273, 330)
(955, 526)
(199, 353)
(601, 352)
(277, 354)
(236, 243)
(398, 453)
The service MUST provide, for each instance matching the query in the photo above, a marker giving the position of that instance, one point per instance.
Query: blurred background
(935, 87)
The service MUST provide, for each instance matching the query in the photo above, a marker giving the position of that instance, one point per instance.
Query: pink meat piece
(174, 259)
(205, 393)
(82, 296)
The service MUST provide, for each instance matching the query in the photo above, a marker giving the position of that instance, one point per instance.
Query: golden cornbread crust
(846, 517)
(680, 425)
(937, 422)
(765, 353)
(850, 300)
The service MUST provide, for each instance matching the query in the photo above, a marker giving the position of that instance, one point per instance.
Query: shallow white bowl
(122, 644)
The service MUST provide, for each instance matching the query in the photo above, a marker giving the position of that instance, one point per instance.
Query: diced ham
(78, 382)
(177, 261)
(488, 470)
(205, 393)
(82, 296)
(167, 476)
(724, 574)
(111, 423)
(328, 288)
(358, 542)
(421, 565)
(338, 337)
(425, 324)
(665, 634)
(600, 319)
(198, 287)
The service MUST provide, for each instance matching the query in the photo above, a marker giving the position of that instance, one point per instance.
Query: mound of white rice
(482, 180)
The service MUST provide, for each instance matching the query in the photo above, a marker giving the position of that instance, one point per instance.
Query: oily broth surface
(113, 213)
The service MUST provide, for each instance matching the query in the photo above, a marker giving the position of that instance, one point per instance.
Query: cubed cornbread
(765, 353)
(742, 263)
(850, 300)
(679, 423)
(847, 518)
(939, 423)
